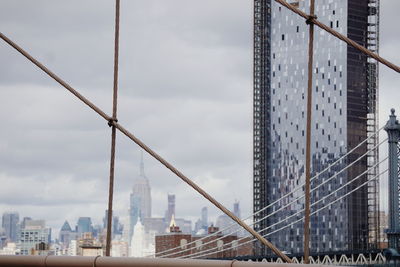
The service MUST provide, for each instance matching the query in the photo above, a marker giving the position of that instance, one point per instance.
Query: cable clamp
(311, 19)
(111, 122)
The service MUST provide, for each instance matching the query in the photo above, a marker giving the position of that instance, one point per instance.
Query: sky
(185, 89)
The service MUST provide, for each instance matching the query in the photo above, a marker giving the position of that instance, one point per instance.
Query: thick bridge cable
(164, 255)
(338, 35)
(113, 131)
(150, 151)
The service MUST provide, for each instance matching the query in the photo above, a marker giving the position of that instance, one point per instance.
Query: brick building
(176, 239)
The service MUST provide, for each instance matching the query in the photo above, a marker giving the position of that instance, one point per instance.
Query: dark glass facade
(343, 105)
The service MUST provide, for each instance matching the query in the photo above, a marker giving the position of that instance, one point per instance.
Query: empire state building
(140, 199)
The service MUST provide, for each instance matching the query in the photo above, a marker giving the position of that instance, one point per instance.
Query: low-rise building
(186, 244)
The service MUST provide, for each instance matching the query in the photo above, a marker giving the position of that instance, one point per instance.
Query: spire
(172, 223)
(173, 228)
(141, 165)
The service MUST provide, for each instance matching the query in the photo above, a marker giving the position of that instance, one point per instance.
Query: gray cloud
(185, 89)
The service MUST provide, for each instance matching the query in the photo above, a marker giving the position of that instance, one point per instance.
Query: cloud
(185, 90)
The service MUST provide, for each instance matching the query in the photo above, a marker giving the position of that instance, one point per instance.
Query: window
(283, 37)
(220, 244)
(199, 244)
(183, 243)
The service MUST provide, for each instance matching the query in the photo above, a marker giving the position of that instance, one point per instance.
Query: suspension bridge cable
(299, 220)
(113, 132)
(270, 214)
(325, 197)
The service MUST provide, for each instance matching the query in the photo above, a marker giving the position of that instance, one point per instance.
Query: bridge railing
(80, 261)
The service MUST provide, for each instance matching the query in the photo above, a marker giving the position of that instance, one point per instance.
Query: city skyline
(51, 164)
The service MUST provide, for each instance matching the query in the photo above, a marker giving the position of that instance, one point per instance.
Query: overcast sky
(185, 90)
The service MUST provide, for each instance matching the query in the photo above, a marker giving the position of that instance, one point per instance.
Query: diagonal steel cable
(131, 136)
(113, 131)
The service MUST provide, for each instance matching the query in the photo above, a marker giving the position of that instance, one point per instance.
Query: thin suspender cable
(325, 197)
(268, 215)
(286, 195)
(308, 135)
(299, 220)
(113, 132)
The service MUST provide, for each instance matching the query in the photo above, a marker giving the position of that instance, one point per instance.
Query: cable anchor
(111, 121)
(310, 19)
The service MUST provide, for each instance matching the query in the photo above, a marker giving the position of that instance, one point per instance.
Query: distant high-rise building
(117, 227)
(24, 220)
(204, 218)
(10, 221)
(236, 209)
(156, 225)
(344, 113)
(84, 225)
(184, 225)
(140, 199)
(171, 208)
(34, 234)
(223, 222)
(66, 234)
(3, 238)
(139, 244)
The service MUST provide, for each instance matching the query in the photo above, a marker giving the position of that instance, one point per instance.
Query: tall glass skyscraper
(10, 221)
(344, 114)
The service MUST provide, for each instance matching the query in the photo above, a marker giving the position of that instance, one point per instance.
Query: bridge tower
(393, 129)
